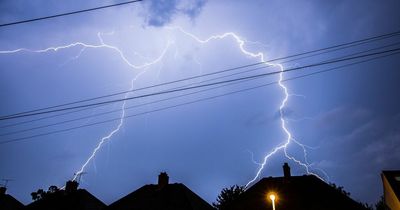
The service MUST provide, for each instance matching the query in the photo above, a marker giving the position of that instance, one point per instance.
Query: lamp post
(272, 197)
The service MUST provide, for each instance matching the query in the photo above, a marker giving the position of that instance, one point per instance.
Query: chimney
(3, 191)
(286, 170)
(163, 179)
(71, 186)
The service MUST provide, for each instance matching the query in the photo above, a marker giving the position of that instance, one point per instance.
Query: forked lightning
(142, 68)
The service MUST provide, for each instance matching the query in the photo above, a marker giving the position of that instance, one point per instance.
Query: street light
(272, 197)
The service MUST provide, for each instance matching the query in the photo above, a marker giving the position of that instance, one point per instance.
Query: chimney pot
(163, 179)
(3, 190)
(286, 170)
(71, 186)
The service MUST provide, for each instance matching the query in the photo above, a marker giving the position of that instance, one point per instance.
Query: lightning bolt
(109, 135)
(241, 42)
(121, 122)
(289, 139)
(121, 54)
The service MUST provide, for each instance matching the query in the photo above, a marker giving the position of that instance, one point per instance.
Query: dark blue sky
(350, 118)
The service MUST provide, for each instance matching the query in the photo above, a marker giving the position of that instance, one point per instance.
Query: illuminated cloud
(160, 13)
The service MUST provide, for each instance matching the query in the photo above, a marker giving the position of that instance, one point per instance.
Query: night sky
(348, 119)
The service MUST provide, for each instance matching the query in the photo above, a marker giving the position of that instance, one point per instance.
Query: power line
(117, 110)
(87, 108)
(341, 48)
(213, 84)
(68, 13)
(196, 101)
(201, 86)
(321, 50)
(45, 117)
(135, 90)
(174, 97)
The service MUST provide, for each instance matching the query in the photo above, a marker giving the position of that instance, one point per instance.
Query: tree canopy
(227, 196)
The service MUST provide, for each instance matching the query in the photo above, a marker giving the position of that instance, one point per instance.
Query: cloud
(342, 119)
(162, 12)
(258, 119)
(363, 138)
(356, 143)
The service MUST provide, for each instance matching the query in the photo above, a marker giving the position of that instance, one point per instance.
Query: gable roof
(294, 192)
(79, 199)
(169, 197)
(393, 177)
(7, 202)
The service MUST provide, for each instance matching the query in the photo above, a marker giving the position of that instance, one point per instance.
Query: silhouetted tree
(227, 196)
(35, 196)
(340, 189)
(344, 192)
(41, 194)
(380, 205)
(53, 189)
(367, 206)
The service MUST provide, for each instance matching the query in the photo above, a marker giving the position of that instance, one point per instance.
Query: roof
(295, 193)
(169, 197)
(7, 202)
(393, 177)
(77, 200)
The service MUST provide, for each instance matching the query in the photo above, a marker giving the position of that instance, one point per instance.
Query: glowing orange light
(272, 197)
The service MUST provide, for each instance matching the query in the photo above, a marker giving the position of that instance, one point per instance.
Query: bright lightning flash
(145, 66)
(121, 122)
(259, 55)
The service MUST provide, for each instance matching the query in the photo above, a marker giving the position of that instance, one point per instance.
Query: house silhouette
(7, 202)
(295, 193)
(391, 188)
(71, 198)
(161, 196)
(305, 192)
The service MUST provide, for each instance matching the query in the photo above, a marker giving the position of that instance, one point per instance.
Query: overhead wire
(321, 50)
(198, 86)
(67, 13)
(199, 100)
(179, 96)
